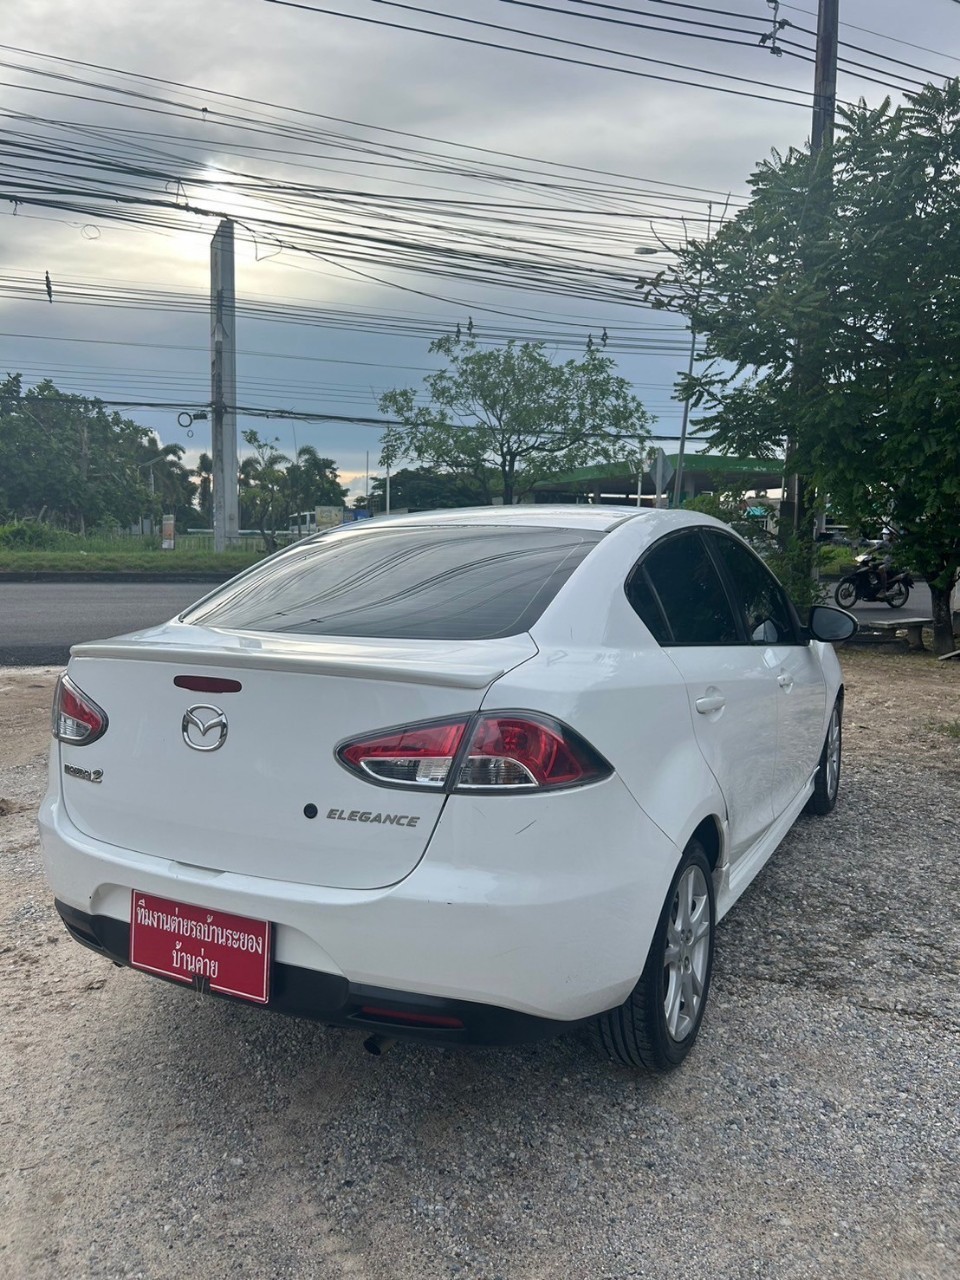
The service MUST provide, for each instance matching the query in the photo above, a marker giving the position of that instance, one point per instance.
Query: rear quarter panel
(600, 671)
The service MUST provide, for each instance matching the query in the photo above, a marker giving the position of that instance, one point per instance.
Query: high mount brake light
(495, 751)
(207, 684)
(77, 719)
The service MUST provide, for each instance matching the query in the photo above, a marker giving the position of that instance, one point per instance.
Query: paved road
(39, 621)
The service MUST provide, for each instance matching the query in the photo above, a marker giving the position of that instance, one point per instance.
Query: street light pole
(645, 251)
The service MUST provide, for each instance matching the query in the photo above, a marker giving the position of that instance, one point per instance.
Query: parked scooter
(866, 584)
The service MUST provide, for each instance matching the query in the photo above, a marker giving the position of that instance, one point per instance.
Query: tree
(844, 308)
(66, 460)
(423, 489)
(512, 412)
(170, 485)
(262, 485)
(313, 481)
(204, 474)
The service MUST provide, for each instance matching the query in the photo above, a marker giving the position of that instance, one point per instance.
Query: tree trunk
(269, 536)
(943, 641)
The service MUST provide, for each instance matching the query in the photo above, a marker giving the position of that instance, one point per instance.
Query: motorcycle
(865, 584)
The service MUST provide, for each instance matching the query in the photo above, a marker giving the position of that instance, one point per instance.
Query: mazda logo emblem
(201, 720)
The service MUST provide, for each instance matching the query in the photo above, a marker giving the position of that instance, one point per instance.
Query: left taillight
(491, 752)
(76, 719)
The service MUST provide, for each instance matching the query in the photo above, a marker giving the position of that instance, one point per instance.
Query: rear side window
(427, 582)
(644, 601)
(766, 613)
(688, 588)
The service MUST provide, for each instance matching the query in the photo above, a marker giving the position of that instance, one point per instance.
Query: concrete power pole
(825, 86)
(223, 389)
(821, 135)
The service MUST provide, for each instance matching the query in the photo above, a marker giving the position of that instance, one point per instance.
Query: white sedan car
(473, 776)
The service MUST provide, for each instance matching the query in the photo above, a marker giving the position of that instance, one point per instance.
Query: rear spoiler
(452, 670)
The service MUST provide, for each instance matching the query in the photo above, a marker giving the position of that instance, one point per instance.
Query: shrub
(30, 536)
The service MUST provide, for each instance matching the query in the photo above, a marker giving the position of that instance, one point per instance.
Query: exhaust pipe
(378, 1045)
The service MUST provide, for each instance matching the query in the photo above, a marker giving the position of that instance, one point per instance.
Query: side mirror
(828, 623)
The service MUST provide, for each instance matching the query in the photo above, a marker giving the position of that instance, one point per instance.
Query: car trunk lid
(228, 779)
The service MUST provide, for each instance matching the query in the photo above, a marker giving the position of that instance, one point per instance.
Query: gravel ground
(813, 1133)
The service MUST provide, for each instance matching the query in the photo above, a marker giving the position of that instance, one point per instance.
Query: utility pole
(678, 481)
(223, 389)
(821, 135)
(825, 76)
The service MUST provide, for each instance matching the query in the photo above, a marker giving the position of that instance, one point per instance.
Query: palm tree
(263, 477)
(204, 474)
(318, 481)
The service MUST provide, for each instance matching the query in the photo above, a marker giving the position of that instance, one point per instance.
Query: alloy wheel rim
(687, 954)
(833, 754)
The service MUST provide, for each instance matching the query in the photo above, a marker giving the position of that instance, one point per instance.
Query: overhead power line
(206, 95)
(552, 57)
(559, 333)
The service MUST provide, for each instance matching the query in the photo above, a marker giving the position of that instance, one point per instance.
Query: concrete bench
(912, 626)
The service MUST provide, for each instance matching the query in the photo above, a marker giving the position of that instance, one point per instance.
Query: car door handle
(785, 681)
(712, 702)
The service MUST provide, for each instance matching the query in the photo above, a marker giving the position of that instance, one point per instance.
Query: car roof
(545, 515)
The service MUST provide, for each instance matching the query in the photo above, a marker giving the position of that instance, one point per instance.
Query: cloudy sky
(388, 183)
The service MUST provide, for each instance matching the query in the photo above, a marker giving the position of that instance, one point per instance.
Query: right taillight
(76, 718)
(494, 751)
(525, 752)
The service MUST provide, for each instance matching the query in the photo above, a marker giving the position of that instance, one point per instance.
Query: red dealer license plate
(211, 950)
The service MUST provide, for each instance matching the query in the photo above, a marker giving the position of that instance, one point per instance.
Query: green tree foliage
(67, 461)
(790, 561)
(204, 474)
(263, 502)
(273, 488)
(313, 481)
(837, 293)
(512, 414)
(422, 489)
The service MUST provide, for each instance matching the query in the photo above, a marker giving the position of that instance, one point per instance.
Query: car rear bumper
(554, 925)
(332, 1000)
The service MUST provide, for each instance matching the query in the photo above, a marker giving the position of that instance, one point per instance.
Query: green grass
(949, 727)
(31, 547)
(120, 560)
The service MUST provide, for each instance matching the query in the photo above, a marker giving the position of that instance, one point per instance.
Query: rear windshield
(436, 582)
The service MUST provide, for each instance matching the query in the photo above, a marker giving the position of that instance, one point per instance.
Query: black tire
(637, 1034)
(827, 783)
(899, 595)
(846, 593)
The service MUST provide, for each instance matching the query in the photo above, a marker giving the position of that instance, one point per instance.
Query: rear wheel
(846, 594)
(657, 1024)
(827, 782)
(898, 595)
